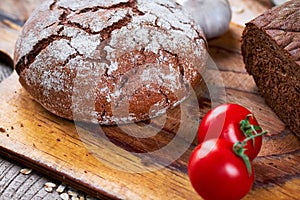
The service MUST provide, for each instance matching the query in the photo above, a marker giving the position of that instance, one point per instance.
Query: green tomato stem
(239, 150)
(248, 130)
(252, 137)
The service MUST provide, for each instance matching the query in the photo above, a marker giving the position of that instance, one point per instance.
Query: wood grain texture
(19, 10)
(15, 185)
(53, 146)
(5, 71)
(245, 10)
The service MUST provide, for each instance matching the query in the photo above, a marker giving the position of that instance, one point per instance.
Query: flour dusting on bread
(146, 55)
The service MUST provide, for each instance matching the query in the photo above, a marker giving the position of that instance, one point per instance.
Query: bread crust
(109, 62)
(271, 51)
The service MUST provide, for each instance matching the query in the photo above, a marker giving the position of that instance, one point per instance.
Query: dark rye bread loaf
(115, 61)
(271, 52)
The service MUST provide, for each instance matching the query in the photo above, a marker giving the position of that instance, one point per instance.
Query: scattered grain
(61, 188)
(50, 184)
(81, 197)
(49, 189)
(73, 193)
(64, 196)
(25, 171)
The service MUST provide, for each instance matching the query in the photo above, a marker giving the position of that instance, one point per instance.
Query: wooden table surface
(16, 185)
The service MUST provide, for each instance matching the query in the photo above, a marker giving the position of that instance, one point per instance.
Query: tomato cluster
(220, 166)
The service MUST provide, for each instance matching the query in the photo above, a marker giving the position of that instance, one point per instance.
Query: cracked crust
(109, 62)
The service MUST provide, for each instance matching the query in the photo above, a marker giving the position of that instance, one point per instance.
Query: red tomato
(224, 122)
(217, 173)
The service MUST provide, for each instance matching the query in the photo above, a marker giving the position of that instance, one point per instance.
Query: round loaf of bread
(110, 62)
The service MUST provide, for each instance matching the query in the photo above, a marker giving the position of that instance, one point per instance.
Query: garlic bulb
(213, 16)
(278, 2)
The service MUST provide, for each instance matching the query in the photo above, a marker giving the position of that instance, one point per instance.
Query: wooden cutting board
(77, 154)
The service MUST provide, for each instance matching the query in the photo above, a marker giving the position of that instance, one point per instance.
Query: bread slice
(271, 52)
